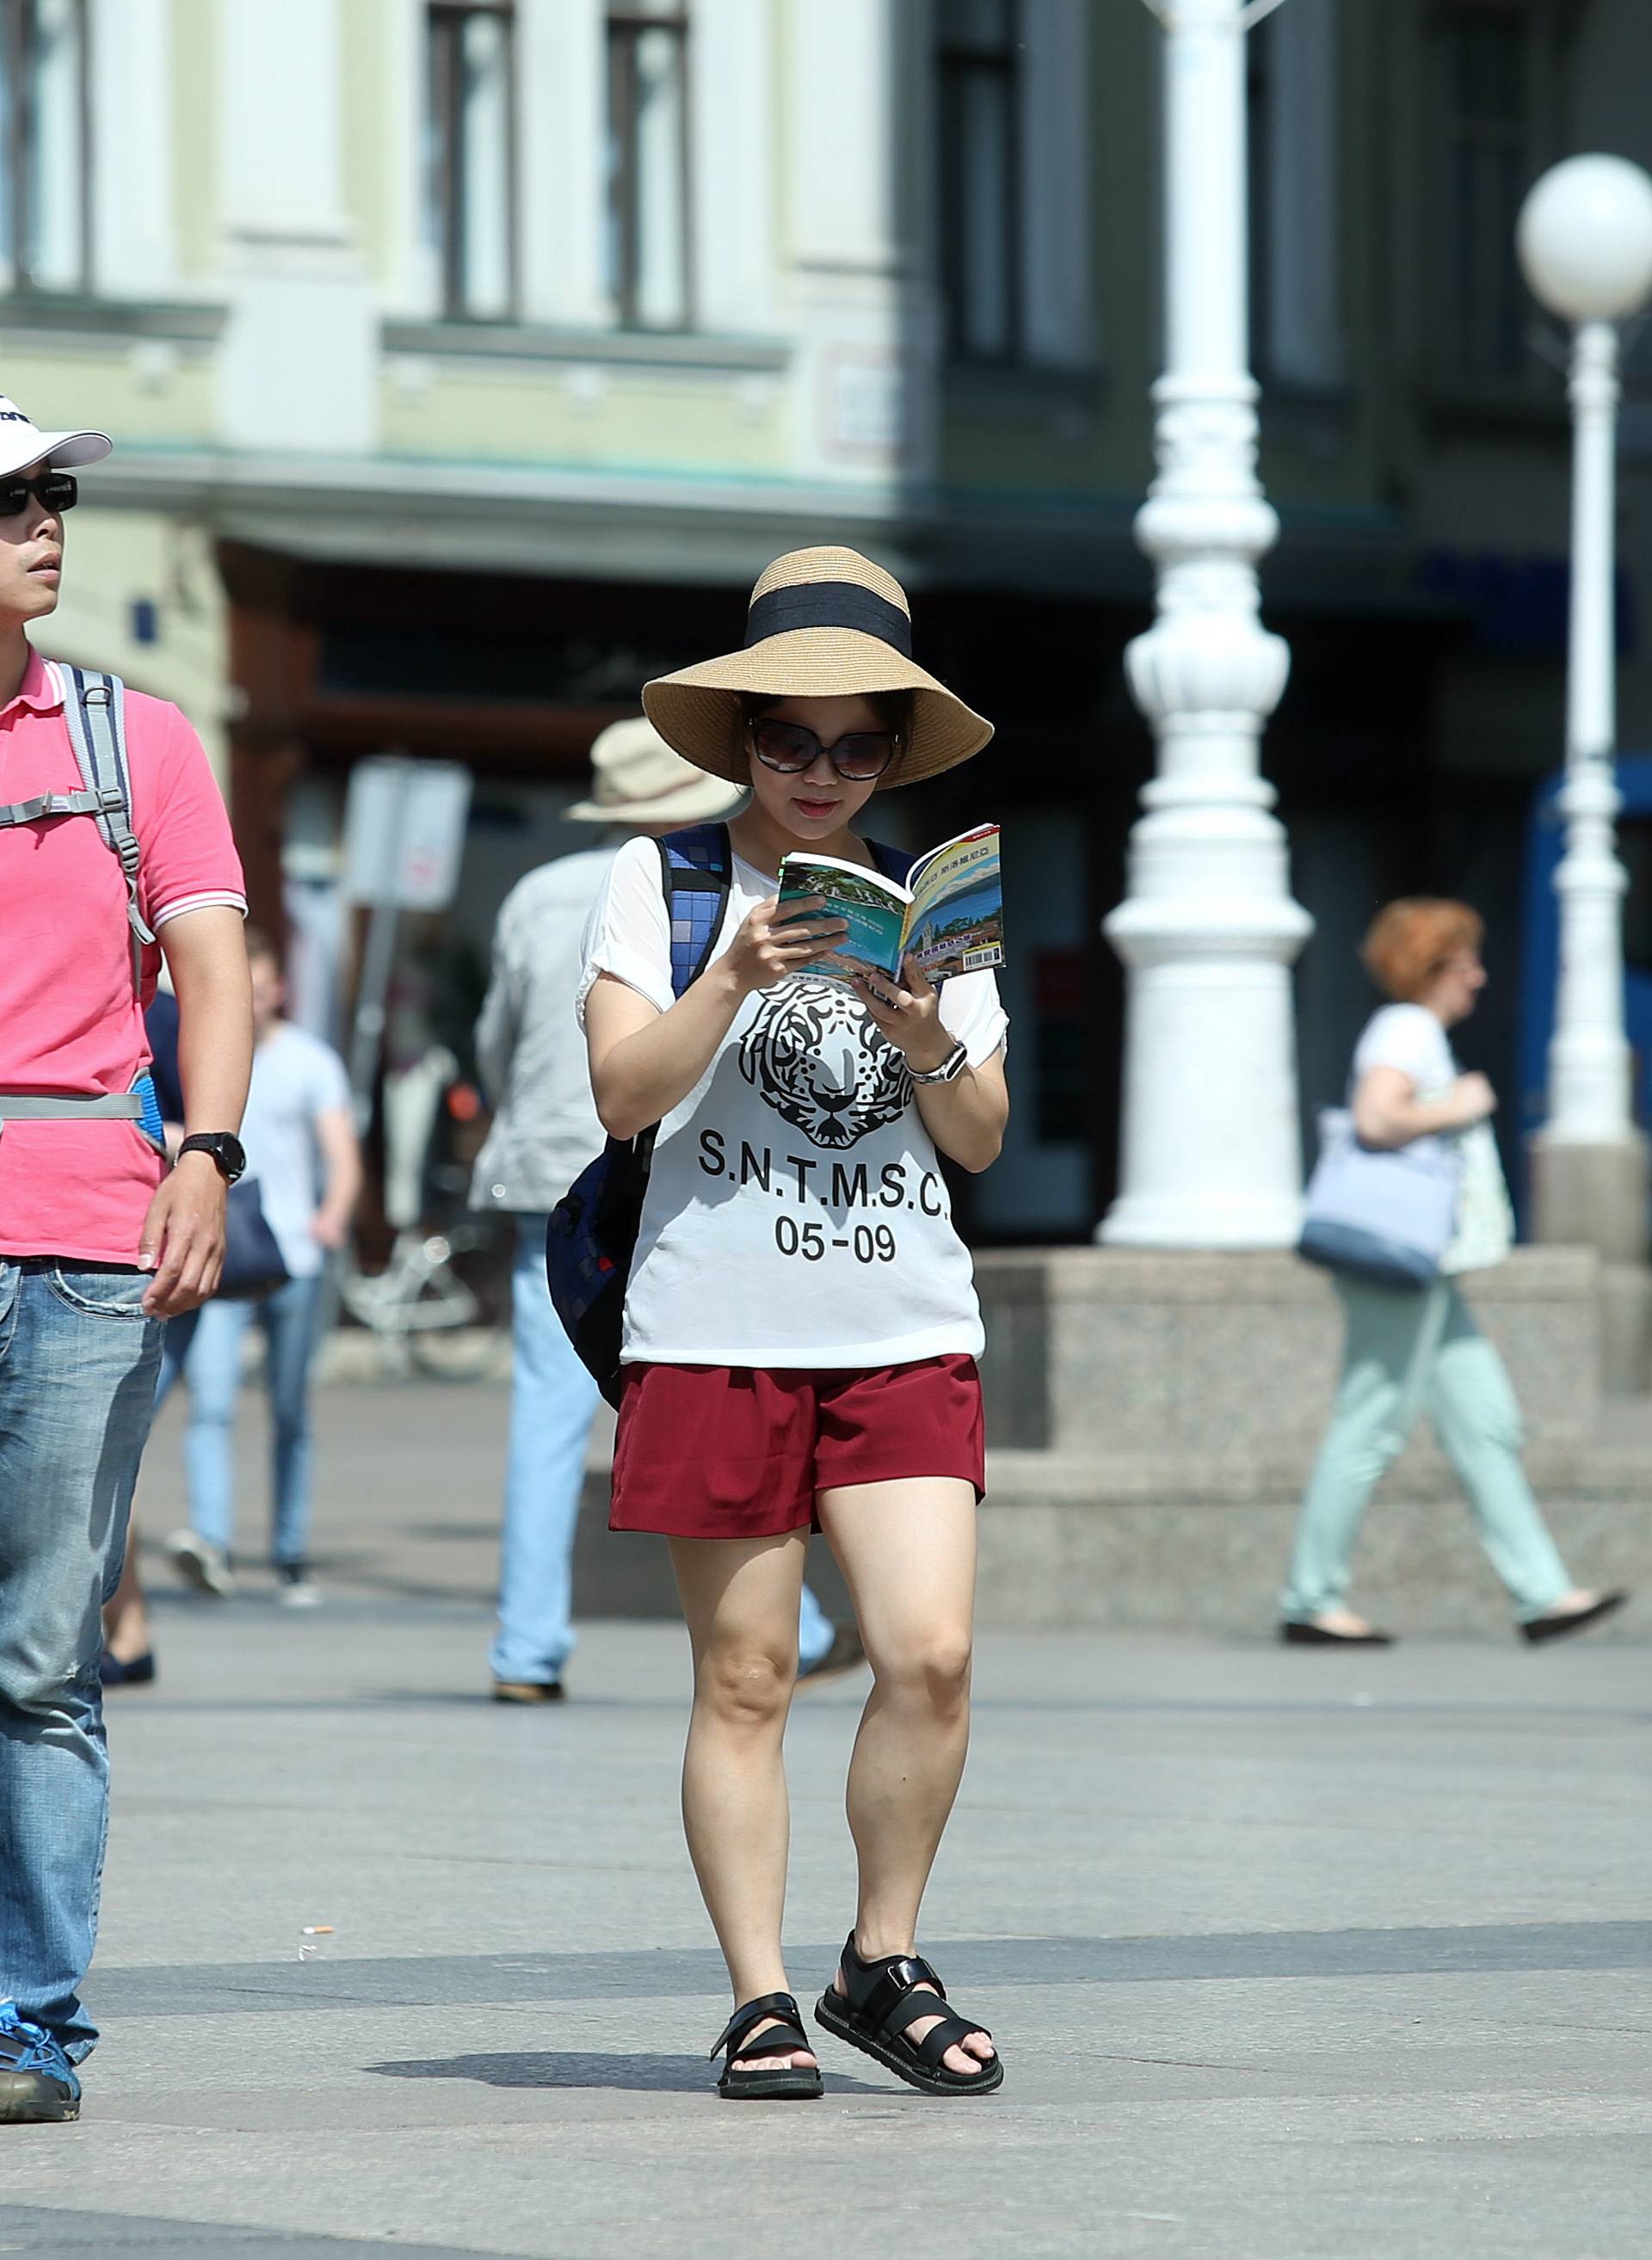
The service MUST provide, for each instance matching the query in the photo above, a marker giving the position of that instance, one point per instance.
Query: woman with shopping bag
(1409, 1194)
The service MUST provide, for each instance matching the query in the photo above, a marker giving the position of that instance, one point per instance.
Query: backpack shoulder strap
(894, 862)
(696, 873)
(95, 714)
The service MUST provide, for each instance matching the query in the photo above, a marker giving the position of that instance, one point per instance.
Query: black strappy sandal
(796, 2084)
(883, 1999)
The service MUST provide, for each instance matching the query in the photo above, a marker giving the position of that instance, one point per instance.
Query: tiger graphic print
(814, 1056)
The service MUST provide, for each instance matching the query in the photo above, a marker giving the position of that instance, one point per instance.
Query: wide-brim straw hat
(823, 624)
(637, 779)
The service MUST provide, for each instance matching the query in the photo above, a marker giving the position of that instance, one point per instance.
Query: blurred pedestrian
(544, 1130)
(1411, 1350)
(766, 1388)
(301, 1148)
(115, 850)
(128, 1659)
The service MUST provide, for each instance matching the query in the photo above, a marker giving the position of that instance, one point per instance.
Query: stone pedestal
(1153, 1419)
(1596, 1195)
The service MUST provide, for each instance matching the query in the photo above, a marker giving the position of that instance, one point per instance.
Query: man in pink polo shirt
(99, 1241)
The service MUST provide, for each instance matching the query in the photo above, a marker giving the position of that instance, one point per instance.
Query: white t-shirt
(296, 1076)
(1408, 1037)
(795, 1214)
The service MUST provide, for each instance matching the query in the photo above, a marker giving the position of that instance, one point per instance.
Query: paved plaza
(1288, 1954)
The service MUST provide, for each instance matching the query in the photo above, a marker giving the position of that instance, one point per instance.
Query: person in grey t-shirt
(544, 1130)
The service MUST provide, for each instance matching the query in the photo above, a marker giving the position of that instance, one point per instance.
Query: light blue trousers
(208, 1348)
(1407, 1354)
(553, 1402)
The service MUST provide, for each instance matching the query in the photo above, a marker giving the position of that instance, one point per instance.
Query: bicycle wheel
(460, 1308)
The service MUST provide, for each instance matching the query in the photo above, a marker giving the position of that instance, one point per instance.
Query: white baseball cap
(23, 443)
(640, 780)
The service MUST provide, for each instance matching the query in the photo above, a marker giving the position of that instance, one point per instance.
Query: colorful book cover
(949, 917)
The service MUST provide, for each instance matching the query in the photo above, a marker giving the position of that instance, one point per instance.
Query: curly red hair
(1411, 942)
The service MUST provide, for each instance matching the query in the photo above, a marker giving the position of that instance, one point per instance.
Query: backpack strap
(696, 872)
(94, 713)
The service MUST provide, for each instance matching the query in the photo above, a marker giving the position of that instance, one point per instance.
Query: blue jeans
(211, 1364)
(78, 1359)
(553, 1403)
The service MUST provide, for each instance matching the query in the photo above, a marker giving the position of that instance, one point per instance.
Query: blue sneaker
(36, 2080)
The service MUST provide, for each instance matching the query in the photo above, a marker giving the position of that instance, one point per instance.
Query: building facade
(467, 362)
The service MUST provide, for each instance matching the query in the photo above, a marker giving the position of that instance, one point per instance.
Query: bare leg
(907, 1551)
(739, 1598)
(125, 1618)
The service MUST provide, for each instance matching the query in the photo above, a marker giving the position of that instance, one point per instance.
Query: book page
(956, 922)
(875, 907)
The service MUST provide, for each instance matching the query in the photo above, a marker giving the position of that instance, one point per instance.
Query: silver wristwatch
(950, 1068)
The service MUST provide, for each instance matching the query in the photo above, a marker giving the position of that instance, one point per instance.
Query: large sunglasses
(791, 748)
(54, 490)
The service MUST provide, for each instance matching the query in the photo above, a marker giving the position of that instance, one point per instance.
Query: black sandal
(797, 2083)
(883, 1999)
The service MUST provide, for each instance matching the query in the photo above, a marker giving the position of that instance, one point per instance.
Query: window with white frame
(980, 200)
(649, 278)
(470, 158)
(45, 158)
(1488, 66)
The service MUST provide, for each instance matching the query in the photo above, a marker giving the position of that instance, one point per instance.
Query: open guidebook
(949, 915)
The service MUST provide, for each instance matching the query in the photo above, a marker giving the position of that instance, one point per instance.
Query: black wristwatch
(226, 1150)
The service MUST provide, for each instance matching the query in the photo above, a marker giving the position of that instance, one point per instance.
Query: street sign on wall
(405, 832)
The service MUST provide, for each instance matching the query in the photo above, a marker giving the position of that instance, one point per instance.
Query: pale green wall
(91, 380)
(644, 420)
(114, 557)
(365, 82)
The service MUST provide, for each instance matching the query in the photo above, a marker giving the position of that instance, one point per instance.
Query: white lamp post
(1208, 929)
(1585, 245)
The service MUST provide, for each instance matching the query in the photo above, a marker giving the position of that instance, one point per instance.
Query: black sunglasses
(791, 748)
(54, 490)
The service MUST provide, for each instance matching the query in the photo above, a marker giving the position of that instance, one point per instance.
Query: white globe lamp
(1584, 239)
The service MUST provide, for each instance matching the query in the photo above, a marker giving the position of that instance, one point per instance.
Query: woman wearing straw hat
(801, 1325)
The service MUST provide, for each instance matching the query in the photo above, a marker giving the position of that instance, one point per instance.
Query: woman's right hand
(1472, 1100)
(768, 947)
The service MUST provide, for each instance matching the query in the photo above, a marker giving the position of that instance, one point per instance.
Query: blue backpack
(592, 1233)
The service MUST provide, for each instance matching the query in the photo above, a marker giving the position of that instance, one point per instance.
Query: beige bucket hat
(822, 623)
(637, 779)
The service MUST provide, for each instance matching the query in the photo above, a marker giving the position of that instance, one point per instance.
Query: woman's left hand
(910, 1017)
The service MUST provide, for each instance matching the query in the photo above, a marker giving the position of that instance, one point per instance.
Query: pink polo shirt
(69, 1019)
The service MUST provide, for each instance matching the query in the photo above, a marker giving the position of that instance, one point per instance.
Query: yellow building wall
(619, 419)
(115, 558)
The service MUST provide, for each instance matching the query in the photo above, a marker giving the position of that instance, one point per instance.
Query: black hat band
(829, 605)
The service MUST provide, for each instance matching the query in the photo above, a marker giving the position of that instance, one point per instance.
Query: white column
(731, 71)
(1207, 928)
(300, 362)
(864, 317)
(133, 123)
(1589, 1059)
(562, 123)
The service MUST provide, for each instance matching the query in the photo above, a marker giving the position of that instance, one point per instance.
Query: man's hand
(330, 1230)
(182, 1238)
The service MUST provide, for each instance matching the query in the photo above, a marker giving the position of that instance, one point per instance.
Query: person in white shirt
(801, 1326)
(1408, 1350)
(303, 1150)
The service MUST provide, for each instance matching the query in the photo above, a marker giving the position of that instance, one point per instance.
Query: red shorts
(720, 1451)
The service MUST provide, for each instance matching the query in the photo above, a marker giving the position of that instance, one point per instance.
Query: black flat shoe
(1567, 1621)
(742, 2081)
(1296, 1634)
(137, 1673)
